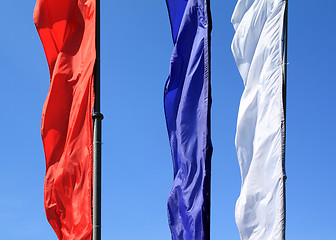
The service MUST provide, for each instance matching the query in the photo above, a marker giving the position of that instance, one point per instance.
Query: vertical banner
(187, 102)
(260, 136)
(67, 32)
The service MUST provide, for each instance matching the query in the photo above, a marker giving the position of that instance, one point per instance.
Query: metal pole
(97, 120)
(284, 97)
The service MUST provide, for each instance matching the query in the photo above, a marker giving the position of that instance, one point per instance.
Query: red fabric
(67, 32)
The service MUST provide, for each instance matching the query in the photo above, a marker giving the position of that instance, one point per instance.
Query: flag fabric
(67, 32)
(256, 46)
(187, 102)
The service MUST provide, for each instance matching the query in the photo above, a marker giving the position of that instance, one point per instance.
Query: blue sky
(137, 168)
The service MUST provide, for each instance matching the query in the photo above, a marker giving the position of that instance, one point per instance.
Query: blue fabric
(187, 107)
(176, 10)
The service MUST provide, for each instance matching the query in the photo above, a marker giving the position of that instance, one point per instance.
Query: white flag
(257, 46)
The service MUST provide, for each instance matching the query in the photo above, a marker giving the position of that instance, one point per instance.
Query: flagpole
(97, 122)
(284, 102)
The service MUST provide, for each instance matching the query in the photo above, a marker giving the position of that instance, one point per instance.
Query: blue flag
(187, 107)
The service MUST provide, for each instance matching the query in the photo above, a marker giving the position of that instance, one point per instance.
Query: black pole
(97, 121)
(284, 102)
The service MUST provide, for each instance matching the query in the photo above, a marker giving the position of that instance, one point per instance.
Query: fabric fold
(67, 32)
(257, 46)
(187, 102)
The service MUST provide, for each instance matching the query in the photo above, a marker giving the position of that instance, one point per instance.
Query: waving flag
(67, 32)
(256, 46)
(187, 107)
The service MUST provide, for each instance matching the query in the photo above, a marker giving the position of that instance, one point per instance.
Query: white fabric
(256, 47)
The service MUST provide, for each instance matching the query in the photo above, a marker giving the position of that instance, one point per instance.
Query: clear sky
(137, 167)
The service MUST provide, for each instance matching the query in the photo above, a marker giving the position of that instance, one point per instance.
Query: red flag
(67, 32)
